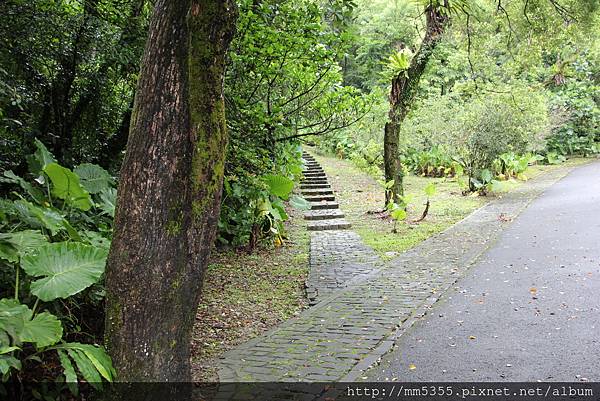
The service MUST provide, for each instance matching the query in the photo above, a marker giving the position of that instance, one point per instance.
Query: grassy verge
(246, 294)
(360, 195)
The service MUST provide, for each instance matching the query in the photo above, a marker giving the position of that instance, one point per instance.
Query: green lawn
(360, 195)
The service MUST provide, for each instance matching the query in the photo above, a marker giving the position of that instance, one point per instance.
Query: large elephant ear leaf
(40, 159)
(17, 321)
(24, 241)
(299, 203)
(93, 177)
(66, 186)
(109, 201)
(279, 185)
(43, 330)
(65, 269)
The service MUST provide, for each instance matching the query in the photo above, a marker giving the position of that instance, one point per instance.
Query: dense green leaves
(66, 186)
(93, 178)
(279, 185)
(18, 322)
(21, 242)
(65, 268)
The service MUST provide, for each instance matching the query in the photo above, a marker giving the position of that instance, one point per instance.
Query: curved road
(528, 310)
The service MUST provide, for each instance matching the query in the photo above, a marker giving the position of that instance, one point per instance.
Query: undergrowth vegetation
(56, 229)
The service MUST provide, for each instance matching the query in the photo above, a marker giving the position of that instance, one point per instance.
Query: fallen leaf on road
(533, 290)
(412, 366)
(472, 337)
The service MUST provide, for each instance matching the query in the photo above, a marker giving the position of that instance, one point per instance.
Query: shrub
(55, 234)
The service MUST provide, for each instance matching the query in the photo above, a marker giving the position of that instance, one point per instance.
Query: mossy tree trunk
(403, 90)
(169, 192)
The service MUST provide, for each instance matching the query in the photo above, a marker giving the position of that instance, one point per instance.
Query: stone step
(310, 192)
(313, 170)
(312, 165)
(333, 224)
(315, 181)
(319, 198)
(323, 214)
(324, 205)
(314, 186)
(314, 175)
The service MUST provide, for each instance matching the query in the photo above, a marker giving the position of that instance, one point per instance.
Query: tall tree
(169, 192)
(404, 88)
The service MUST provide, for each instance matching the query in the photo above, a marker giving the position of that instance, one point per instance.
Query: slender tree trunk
(403, 90)
(169, 193)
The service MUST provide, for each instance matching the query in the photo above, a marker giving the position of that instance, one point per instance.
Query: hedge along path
(347, 331)
(337, 255)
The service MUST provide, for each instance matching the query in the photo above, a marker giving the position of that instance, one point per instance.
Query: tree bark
(169, 193)
(402, 93)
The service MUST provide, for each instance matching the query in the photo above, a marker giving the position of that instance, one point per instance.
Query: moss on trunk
(169, 194)
(403, 90)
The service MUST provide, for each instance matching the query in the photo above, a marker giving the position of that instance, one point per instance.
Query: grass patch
(244, 295)
(359, 195)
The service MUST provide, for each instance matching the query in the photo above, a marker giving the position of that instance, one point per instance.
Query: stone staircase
(325, 213)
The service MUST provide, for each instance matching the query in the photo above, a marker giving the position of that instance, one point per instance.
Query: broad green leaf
(299, 202)
(86, 367)
(39, 217)
(16, 320)
(279, 208)
(430, 189)
(6, 350)
(65, 268)
(12, 319)
(69, 371)
(43, 330)
(66, 186)
(40, 159)
(8, 252)
(109, 201)
(7, 362)
(486, 176)
(93, 177)
(279, 185)
(24, 241)
(398, 214)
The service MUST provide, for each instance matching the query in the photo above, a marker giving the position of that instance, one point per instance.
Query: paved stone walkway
(337, 255)
(351, 328)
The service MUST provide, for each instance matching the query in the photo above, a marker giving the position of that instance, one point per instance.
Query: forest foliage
(509, 85)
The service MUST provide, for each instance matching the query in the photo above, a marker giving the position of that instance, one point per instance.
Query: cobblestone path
(352, 327)
(337, 254)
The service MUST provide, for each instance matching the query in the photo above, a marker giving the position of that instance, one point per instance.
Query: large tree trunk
(402, 93)
(169, 192)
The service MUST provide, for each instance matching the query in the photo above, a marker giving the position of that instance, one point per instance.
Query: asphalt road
(528, 310)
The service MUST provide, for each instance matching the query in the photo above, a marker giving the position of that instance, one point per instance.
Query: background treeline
(68, 74)
(510, 82)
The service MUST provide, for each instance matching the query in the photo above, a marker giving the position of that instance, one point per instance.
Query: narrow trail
(337, 254)
(349, 329)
